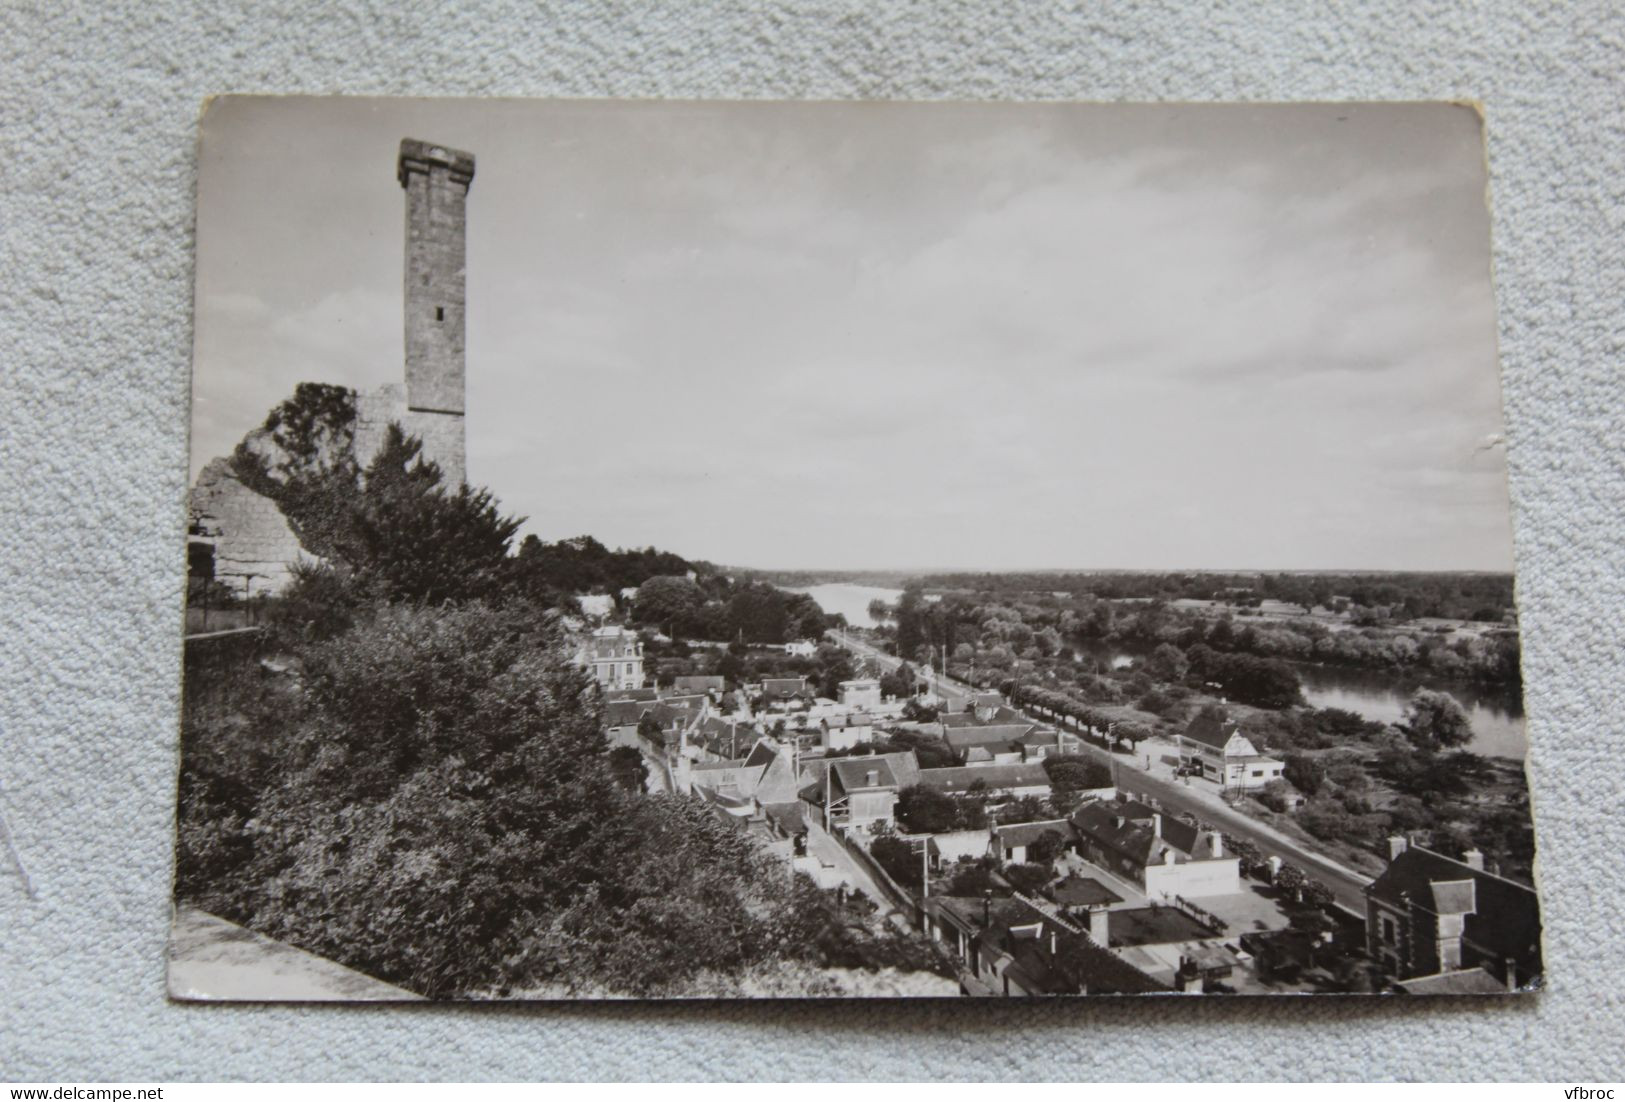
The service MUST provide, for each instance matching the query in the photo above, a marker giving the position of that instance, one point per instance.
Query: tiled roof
(1505, 921)
(964, 737)
(1180, 834)
(1132, 841)
(866, 772)
(903, 766)
(624, 713)
(961, 778)
(789, 817)
(1025, 834)
(1210, 730)
(1060, 961)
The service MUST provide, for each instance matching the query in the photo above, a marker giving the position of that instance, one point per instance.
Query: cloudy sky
(886, 335)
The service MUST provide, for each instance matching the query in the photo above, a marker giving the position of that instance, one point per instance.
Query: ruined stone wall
(442, 434)
(374, 410)
(254, 547)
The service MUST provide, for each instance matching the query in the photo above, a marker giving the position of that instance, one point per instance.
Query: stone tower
(436, 180)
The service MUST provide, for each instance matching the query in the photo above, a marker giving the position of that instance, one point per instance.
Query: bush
(437, 808)
(1275, 796)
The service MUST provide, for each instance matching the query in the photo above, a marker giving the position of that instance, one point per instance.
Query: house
(859, 791)
(845, 732)
(622, 717)
(1020, 779)
(1163, 855)
(763, 777)
(856, 791)
(677, 725)
(1038, 744)
(984, 705)
(723, 739)
(1431, 917)
(782, 693)
(860, 693)
(615, 657)
(1002, 714)
(1015, 947)
(801, 648)
(1012, 843)
(999, 742)
(1213, 747)
(711, 684)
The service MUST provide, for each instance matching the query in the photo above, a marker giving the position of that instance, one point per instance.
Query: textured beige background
(98, 110)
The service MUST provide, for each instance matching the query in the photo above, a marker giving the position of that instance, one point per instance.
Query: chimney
(1473, 859)
(1098, 928)
(1156, 826)
(1215, 844)
(1397, 844)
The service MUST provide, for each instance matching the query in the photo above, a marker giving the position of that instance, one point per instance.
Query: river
(851, 601)
(1496, 715)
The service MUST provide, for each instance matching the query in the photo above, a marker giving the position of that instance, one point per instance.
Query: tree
(900, 860)
(973, 879)
(901, 683)
(922, 810)
(627, 766)
(1046, 848)
(1305, 772)
(669, 603)
(1292, 879)
(397, 532)
(1167, 663)
(303, 458)
(1434, 721)
(1071, 773)
(417, 542)
(916, 712)
(1028, 878)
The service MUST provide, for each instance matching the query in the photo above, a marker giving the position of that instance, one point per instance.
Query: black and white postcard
(674, 550)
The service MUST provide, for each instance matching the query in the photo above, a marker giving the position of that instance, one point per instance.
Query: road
(944, 686)
(1345, 884)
